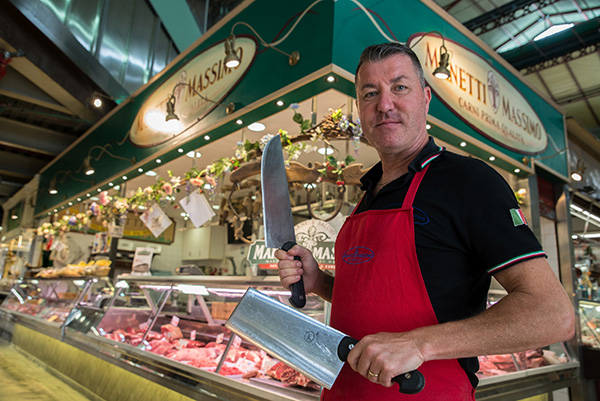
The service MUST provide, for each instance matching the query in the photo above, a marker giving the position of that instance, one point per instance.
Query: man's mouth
(386, 122)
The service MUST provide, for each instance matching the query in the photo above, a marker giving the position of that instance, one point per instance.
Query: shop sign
(480, 95)
(208, 75)
(316, 235)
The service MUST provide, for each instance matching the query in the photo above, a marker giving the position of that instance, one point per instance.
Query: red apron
(379, 288)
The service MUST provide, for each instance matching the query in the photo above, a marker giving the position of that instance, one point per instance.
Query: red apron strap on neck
(414, 185)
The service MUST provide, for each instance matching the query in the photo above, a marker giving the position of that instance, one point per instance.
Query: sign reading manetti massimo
(316, 235)
(208, 75)
(479, 95)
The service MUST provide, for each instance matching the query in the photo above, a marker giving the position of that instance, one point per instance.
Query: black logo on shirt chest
(420, 216)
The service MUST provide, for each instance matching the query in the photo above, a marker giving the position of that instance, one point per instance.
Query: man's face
(392, 105)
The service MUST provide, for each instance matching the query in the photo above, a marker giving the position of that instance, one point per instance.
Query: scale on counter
(189, 270)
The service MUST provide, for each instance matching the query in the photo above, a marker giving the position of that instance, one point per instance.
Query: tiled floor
(21, 379)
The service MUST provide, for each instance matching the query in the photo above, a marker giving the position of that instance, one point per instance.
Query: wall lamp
(441, 72)
(52, 189)
(230, 108)
(97, 99)
(232, 60)
(577, 174)
(87, 167)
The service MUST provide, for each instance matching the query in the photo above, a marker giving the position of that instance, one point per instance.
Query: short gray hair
(375, 53)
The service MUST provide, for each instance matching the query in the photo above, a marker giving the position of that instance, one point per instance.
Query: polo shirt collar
(429, 153)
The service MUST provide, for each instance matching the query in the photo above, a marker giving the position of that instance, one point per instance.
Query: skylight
(554, 29)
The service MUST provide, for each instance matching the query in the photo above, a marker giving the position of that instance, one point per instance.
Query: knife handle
(410, 382)
(298, 298)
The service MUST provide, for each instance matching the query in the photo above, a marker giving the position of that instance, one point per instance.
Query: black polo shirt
(468, 226)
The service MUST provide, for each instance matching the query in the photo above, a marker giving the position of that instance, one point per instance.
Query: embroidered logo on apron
(357, 255)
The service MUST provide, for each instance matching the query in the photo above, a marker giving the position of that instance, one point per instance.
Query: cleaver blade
(312, 348)
(277, 211)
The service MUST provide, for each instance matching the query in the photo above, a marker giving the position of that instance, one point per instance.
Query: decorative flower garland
(112, 207)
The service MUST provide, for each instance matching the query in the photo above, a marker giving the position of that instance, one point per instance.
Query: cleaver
(300, 341)
(277, 211)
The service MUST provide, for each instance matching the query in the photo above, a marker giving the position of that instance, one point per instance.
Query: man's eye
(400, 87)
(369, 94)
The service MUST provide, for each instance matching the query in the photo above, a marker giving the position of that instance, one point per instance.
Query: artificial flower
(196, 181)
(103, 198)
(167, 188)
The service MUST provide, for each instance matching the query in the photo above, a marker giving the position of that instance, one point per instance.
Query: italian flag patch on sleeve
(517, 217)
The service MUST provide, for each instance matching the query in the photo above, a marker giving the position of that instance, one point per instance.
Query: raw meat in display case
(174, 321)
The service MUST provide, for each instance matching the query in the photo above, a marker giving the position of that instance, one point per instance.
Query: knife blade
(312, 348)
(277, 211)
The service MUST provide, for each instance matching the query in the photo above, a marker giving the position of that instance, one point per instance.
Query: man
(415, 259)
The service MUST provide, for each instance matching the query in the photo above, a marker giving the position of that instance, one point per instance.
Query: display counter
(589, 315)
(170, 331)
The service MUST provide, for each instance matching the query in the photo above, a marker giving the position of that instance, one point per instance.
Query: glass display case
(52, 300)
(589, 315)
(589, 323)
(171, 331)
(180, 321)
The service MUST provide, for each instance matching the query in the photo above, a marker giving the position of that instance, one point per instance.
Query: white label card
(156, 220)
(197, 208)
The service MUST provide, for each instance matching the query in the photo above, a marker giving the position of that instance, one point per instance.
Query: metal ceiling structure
(56, 55)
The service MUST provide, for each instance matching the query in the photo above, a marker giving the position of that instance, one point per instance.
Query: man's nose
(385, 102)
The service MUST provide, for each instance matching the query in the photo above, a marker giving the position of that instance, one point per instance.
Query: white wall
(549, 243)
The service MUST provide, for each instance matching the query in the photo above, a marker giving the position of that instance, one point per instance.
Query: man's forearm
(529, 317)
(504, 328)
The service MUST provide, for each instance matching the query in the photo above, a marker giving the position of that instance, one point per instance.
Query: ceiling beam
(505, 14)
(562, 59)
(33, 138)
(19, 165)
(16, 86)
(578, 37)
(580, 90)
(51, 68)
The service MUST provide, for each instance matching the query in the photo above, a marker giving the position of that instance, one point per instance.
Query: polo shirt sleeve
(491, 221)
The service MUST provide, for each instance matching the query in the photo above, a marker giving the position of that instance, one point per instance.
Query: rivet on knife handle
(298, 298)
(410, 382)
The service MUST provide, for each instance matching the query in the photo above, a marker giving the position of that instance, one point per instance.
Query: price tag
(219, 339)
(245, 365)
(237, 341)
(193, 335)
(175, 321)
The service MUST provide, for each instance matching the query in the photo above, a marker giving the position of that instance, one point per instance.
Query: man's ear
(427, 93)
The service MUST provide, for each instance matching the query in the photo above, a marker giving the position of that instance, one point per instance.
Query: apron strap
(412, 190)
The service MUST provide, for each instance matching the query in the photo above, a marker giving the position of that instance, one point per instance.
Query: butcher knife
(300, 341)
(277, 211)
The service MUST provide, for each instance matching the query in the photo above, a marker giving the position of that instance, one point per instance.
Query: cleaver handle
(410, 382)
(298, 298)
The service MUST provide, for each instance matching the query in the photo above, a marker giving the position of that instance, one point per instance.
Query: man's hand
(381, 357)
(290, 270)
